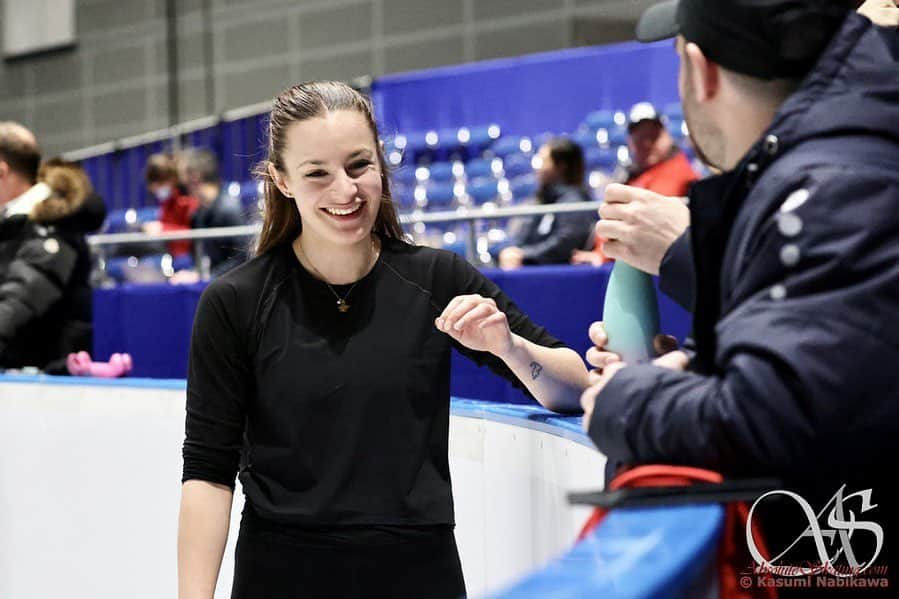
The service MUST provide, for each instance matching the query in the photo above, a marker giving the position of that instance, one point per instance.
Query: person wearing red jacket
(658, 165)
(175, 207)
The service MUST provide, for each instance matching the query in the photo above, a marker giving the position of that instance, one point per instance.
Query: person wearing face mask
(551, 238)
(175, 206)
(320, 370)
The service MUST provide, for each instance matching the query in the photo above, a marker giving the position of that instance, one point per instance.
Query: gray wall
(114, 84)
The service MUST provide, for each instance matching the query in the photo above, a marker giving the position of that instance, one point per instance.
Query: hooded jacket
(796, 319)
(45, 295)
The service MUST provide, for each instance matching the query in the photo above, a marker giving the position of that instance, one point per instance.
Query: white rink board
(90, 486)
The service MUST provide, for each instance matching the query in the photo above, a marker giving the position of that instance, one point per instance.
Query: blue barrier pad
(634, 552)
(134, 383)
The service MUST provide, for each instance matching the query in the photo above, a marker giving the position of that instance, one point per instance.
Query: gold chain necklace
(342, 304)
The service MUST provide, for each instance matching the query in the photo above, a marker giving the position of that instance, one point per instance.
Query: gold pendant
(342, 306)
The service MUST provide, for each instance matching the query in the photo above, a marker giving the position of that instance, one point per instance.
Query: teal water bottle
(631, 313)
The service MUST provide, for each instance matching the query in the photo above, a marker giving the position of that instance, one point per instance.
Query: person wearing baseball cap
(796, 262)
(657, 164)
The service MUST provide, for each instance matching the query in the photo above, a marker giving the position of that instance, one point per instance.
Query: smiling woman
(323, 141)
(339, 417)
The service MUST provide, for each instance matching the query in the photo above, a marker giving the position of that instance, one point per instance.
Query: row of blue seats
(442, 195)
(601, 128)
(509, 166)
(493, 168)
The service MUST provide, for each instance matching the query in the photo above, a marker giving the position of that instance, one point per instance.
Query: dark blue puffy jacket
(796, 319)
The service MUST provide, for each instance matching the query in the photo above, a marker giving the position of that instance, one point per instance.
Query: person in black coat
(45, 296)
(796, 265)
(551, 238)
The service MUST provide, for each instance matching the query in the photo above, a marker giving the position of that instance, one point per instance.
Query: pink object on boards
(80, 364)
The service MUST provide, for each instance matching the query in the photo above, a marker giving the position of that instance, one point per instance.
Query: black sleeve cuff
(677, 277)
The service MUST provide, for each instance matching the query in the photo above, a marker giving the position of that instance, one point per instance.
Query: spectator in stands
(341, 408)
(551, 238)
(795, 259)
(45, 297)
(217, 208)
(657, 164)
(176, 207)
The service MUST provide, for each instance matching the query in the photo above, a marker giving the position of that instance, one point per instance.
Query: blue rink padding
(131, 383)
(645, 552)
(153, 322)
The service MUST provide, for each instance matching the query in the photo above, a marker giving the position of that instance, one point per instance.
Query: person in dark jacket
(551, 238)
(217, 208)
(796, 261)
(45, 298)
(653, 233)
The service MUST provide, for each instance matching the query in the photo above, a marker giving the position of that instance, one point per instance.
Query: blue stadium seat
(154, 260)
(393, 154)
(183, 262)
(585, 138)
(420, 144)
(604, 159)
(441, 172)
(115, 267)
(147, 214)
(600, 119)
(404, 196)
(250, 192)
(618, 137)
(119, 221)
(405, 175)
(482, 190)
(511, 145)
(440, 195)
(523, 187)
(516, 165)
(448, 140)
(479, 167)
(482, 136)
(677, 128)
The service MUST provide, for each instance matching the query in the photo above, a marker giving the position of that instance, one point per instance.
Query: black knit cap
(767, 39)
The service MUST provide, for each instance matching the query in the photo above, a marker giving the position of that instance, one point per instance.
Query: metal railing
(471, 216)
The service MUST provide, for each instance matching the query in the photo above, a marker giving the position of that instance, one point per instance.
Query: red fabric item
(174, 215)
(733, 555)
(670, 177)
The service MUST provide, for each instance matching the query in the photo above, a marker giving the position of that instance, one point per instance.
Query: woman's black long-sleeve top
(340, 418)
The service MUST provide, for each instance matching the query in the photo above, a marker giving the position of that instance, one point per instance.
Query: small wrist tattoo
(536, 369)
